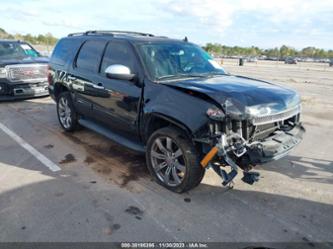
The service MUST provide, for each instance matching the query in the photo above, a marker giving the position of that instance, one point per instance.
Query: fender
(149, 117)
(175, 106)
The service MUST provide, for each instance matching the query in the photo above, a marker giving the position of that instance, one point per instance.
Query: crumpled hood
(27, 60)
(242, 92)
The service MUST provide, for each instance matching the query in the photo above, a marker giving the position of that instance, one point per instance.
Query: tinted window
(118, 53)
(90, 55)
(64, 51)
(15, 50)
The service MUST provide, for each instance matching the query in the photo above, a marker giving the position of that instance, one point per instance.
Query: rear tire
(67, 115)
(173, 161)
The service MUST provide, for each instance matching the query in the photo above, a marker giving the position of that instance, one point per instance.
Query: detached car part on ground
(169, 99)
(23, 72)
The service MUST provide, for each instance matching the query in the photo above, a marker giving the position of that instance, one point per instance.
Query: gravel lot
(104, 193)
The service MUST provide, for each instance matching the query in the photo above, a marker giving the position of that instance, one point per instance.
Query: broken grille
(27, 73)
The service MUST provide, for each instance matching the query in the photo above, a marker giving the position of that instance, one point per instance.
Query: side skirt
(111, 135)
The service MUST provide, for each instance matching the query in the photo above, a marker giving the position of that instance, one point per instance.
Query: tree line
(46, 39)
(213, 48)
(282, 52)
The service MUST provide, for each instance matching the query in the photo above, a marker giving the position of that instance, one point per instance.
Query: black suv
(23, 71)
(170, 99)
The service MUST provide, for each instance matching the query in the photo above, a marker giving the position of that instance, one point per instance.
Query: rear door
(83, 75)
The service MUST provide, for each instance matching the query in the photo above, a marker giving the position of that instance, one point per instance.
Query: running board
(111, 135)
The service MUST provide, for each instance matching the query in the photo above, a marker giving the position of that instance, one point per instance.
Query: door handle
(98, 86)
(69, 77)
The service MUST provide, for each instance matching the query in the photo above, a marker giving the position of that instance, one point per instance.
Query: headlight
(3, 73)
(268, 109)
(215, 114)
(259, 110)
(273, 108)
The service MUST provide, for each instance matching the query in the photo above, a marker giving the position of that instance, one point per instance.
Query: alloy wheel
(168, 161)
(65, 112)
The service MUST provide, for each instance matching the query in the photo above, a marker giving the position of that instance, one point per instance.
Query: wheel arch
(58, 89)
(155, 121)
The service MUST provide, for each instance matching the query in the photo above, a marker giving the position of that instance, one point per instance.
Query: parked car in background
(331, 63)
(252, 59)
(290, 60)
(23, 71)
(170, 100)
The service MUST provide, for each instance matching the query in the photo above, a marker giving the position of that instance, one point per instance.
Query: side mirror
(119, 72)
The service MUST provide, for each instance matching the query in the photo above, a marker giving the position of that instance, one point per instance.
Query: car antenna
(185, 39)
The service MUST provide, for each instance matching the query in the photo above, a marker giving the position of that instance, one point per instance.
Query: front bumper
(22, 91)
(276, 146)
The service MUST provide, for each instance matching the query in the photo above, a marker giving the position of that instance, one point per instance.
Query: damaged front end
(242, 137)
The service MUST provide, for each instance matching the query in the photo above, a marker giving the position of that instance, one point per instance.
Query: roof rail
(110, 32)
(76, 34)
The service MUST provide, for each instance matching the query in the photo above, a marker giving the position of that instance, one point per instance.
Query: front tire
(173, 161)
(67, 115)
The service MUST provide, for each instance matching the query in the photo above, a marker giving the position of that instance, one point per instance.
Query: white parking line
(44, 160)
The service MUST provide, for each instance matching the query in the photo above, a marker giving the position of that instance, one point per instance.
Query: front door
(121, 110)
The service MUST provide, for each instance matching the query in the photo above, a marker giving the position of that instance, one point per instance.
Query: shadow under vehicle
(169, 99)
(23, 71)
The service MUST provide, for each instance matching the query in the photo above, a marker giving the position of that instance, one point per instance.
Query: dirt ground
(103, 192)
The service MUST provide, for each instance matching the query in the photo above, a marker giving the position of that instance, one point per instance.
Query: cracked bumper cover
(275, 146)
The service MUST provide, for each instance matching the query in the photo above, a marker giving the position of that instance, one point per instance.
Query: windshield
(174, 60)
(15, 50)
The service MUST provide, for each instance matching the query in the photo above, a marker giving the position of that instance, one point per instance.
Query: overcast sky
(263, 23)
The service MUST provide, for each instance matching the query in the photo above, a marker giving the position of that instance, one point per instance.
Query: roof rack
(110, 32)
(75, 34)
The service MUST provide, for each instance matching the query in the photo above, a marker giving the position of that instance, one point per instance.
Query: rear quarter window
(64, 51)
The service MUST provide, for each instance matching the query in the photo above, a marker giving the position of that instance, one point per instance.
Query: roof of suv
(128, 35)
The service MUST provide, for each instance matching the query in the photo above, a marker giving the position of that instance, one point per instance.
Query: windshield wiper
(218, 73)
(185, 75)
(207, 74)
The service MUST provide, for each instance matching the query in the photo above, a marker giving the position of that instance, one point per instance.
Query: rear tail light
(49, 75)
